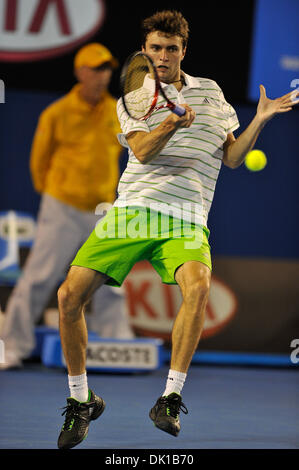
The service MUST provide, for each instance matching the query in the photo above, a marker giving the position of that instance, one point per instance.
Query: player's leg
(103, 257)
(103, 252)
(193, 278)
(73, 295)
(83, 405)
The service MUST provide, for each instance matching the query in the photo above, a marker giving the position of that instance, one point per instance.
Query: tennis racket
(139, 101)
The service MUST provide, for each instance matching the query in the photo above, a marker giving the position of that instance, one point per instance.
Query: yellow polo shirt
(75, 151)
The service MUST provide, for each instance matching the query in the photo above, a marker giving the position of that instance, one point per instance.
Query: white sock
(175, 382)
(78, 387)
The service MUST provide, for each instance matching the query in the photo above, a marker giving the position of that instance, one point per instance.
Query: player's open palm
(267, 108)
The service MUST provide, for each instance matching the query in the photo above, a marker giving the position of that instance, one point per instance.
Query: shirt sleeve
(229, 112)
(128, 124)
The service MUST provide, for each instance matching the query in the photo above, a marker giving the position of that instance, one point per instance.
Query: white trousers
(61, 230)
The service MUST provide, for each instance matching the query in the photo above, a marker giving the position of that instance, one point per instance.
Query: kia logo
(40, 29)
(153, 306)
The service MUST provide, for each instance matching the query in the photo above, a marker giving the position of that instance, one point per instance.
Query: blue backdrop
(253, 214)
(275, 47)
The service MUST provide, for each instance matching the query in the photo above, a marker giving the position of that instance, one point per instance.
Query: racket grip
(179, 110)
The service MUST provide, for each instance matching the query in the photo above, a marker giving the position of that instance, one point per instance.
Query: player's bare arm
(235, 150)
(147, 145)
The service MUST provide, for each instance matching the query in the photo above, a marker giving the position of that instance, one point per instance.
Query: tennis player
(173, 162)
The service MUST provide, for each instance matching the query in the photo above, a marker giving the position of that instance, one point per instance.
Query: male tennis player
(171, 160)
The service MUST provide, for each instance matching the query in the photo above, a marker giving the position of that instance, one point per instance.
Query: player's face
(167, 54)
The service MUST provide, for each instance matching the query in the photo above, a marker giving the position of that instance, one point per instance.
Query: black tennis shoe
(165, 413)
(77, 418)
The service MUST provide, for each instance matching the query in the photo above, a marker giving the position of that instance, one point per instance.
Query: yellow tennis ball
(255, 160)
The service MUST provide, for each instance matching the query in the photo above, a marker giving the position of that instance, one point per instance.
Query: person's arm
(235, 150)
(147, 145)
(41, 151)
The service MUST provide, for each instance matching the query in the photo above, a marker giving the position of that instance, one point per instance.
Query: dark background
(219, 45)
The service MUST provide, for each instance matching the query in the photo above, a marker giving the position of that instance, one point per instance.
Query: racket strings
(137, 99)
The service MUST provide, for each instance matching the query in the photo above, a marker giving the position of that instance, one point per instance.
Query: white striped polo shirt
(181, 179)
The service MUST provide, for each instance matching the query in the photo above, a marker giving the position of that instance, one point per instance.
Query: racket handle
(179, 110)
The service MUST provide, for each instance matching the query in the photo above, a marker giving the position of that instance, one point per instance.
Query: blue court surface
(229, 408)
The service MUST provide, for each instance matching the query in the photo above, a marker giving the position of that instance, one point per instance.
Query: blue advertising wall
(275, 47)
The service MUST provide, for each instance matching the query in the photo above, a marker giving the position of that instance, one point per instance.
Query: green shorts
(127, 235)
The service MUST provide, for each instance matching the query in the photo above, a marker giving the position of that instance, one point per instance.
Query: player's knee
(69, 303)
(197, 290)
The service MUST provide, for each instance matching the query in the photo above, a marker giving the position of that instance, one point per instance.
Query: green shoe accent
(165, 413)
(88, 399)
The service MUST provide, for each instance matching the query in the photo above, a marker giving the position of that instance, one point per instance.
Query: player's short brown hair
(169, 22)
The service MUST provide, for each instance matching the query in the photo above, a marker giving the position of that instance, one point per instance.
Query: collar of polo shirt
(191, 82)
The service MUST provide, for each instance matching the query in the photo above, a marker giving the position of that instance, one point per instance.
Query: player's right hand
(185, 120)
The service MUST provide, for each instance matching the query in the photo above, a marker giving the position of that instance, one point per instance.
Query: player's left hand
(267, 108)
